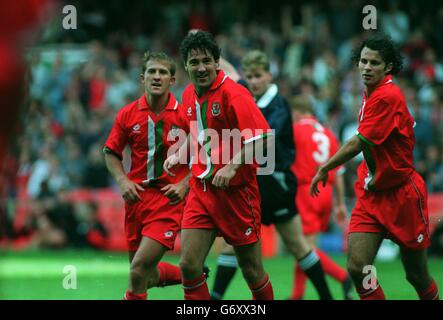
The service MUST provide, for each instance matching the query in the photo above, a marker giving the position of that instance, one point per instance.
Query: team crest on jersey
(175, 131)
(215, 109)
(189, 113)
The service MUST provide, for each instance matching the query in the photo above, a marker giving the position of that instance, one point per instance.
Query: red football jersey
(226, 106)
(386, 127)
(314, 145)
(149, 136)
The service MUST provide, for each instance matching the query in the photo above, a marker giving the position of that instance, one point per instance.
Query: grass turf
(103, 275)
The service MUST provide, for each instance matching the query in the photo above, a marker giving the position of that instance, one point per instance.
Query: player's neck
(157, 103)
(201, 90)
(370, 89)
(297, 117)
(258, 97)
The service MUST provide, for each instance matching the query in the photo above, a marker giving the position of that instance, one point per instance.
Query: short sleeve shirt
(221, 121)
(386, 129)
(149, 136)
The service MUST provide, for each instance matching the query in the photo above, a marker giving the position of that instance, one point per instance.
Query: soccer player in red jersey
(314, 145)
(391, 195)
(277, 190)
(224, 198)
(150, 125)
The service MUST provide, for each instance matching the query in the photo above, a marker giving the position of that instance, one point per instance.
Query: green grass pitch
(103, 275)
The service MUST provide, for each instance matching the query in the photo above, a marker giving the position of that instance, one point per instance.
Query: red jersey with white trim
(226, 106)
(149, 136)
(314, 145)
(386, 129)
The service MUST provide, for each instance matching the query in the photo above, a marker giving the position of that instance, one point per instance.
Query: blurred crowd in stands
(72, 104)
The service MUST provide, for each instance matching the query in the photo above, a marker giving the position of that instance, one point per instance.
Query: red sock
(262, 290)
(431, 293)
(331, 268)
(372, 294)
(196, 289)
(169, 274)
(298, 290)
(135, 296)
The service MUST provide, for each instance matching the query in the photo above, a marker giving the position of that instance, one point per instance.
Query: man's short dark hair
(199, 40)
(387, 49)
(158, 56)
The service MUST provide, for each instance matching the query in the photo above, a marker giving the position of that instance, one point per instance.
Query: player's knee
(140, 268)
(252, 274)
(355, 268)
(189, 268)
(227, 250)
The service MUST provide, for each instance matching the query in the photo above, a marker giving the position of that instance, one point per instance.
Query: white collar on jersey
(267, 97)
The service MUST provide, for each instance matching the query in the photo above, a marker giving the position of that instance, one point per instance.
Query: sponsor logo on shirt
(215, 109)
(168, 234)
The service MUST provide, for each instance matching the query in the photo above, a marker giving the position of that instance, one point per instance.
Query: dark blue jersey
(276, 110)
(278, 190)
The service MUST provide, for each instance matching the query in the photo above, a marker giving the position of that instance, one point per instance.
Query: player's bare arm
(129, 189)
(176, 192)
(348, 151)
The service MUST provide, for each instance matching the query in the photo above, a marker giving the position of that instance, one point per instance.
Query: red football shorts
(400, 214)
(314, 212)
(234, 212)
(154, 218)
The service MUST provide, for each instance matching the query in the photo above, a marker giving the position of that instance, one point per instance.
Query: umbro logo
(168, 234)
(189, 113)
(136, 128)
(420, 238)
(248, 232)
